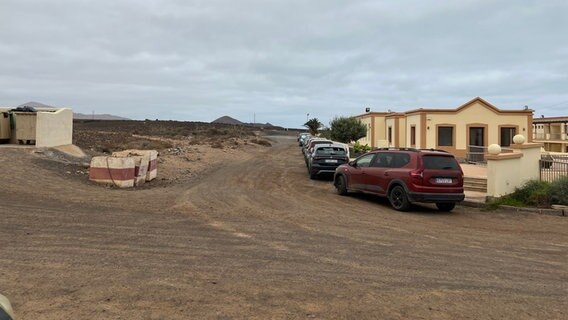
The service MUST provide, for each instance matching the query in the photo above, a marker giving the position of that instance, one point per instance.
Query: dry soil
(250, 236)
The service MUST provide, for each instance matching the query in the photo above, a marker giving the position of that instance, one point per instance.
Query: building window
(445, 136)
(413, 136)
(390, 135)
(507, 134)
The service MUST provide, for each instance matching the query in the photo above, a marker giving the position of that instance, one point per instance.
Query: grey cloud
(198, 60)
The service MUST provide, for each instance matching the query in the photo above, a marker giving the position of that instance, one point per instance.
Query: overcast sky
(197, 60)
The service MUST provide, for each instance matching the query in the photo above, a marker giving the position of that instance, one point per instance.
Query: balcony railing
(550, 136)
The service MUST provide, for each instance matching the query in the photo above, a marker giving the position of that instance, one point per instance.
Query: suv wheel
(398, 199)
(446, 206)
(312, 174)
(341, 186)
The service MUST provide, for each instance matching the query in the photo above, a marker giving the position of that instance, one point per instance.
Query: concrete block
(151, 156)
(120, 172)
(140, 169)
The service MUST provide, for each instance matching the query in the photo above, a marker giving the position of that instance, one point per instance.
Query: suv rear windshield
(330, 151)
(440, 163)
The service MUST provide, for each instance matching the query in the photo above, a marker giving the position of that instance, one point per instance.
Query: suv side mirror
(6, 312)
(353, 163)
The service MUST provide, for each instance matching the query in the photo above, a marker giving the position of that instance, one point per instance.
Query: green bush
(347, 129)
(536, 193)
(359, 148)
(533, 193)
(559, 191)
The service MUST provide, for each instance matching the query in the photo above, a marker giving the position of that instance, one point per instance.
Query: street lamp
(307, 117)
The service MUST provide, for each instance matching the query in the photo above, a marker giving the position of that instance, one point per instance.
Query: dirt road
(256, 239)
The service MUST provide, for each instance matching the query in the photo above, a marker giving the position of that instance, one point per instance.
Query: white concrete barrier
(120, 172)
(150, 155)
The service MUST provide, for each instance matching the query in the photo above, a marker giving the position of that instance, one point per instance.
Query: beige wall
(375, 123)
(379, 130)
(503, 174)
(426, 121)
(368, 139)
(54, 128)
(413, 121)
(401, 132)
(390, 123)
(474, 115)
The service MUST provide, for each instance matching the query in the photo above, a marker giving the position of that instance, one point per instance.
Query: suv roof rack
(397, 149)
(432, 149)
(409, 149)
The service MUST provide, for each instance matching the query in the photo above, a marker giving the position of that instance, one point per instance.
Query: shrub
(345, 129)
(559, 191)
(325, 133)
(359, 148)
(533, 193)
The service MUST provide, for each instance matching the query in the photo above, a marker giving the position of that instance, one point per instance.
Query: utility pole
(307, 117)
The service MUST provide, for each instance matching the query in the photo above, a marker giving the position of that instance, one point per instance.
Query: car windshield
(330, 151)
(440, 163)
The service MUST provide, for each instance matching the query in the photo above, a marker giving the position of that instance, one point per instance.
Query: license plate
(444, 180)
(330, 161)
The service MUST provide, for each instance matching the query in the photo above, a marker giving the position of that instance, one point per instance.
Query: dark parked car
(309, 147)
(404, 176)
(325, 158)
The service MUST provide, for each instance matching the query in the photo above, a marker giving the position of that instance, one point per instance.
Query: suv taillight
(417, 175)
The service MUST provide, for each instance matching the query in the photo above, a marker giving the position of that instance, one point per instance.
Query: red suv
(404, 176)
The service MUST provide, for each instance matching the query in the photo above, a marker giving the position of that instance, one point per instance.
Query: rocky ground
(249, 236)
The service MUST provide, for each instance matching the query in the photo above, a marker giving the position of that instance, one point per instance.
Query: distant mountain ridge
(79, 116)
(105, 116)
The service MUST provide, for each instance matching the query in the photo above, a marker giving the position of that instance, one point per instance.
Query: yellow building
(552, 133)
(463, 131)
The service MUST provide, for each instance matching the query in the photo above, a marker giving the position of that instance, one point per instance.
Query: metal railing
(476, 154)
(550, 136)
(553, 167)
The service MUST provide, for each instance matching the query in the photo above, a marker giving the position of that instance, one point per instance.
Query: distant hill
(227, 120)
(34, 104)
(82, 116)
(233, 121)
(79, 116)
